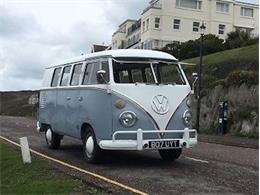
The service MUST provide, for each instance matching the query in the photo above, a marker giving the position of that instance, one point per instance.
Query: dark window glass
(137, 75)
(65, 76)
(168, 74)
(56, 76)
(149, 75)
(142, 73)
(76, 75)
(196, 26)
(176, 24)
(124, 76)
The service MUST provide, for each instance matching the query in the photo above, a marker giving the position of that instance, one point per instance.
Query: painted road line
(136, 191)
(197, 160)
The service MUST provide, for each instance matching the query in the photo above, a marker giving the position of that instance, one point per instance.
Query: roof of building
(121, 53)
(127, 20)
(241, 2)
(97, 48)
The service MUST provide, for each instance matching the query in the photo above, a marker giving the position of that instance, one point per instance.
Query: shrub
(237, 78)
(211, 44)
(239, 38)
(191, 48)
(246, 112)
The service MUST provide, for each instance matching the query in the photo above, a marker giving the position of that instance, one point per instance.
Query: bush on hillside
(239, 38)
(237, 78)
(211, 44)
(190, 48)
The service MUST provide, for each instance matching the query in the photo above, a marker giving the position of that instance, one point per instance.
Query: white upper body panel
(120, 53)
(143, 96)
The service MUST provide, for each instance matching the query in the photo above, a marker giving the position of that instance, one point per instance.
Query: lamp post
(202, 31)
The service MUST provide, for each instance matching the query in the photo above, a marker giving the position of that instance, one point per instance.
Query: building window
(221, 29)
(176, 24)
(147, 24)
(143, 26)
(192, 4)
(156, 22)
(196, 26)
(248, 12)
(222, 7)
(156, 43)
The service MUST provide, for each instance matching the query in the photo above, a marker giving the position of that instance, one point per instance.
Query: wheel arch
(45, 126)
(85, 128)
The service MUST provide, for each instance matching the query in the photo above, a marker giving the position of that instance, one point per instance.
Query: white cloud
(38, 33)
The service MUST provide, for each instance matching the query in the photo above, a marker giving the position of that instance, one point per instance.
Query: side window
(93, 77)
(65, 76)
(56, 76)
(104, 66)
(76, 75)
(95, 67)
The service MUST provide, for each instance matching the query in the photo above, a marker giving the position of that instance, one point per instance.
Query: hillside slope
(16, 103)
(232, 76)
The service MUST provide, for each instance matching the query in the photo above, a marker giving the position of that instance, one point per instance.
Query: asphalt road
(205, 169)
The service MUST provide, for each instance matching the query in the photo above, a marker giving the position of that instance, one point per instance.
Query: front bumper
(141, 144)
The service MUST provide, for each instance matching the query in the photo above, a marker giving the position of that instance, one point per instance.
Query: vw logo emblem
(160, 104)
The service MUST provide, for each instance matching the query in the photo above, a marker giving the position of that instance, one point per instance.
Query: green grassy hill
(232, 76)
(235, 66)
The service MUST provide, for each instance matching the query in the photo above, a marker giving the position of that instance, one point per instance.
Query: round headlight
(187, 118)
(127, 118)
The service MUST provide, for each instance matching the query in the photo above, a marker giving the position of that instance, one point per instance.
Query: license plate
(164, 144)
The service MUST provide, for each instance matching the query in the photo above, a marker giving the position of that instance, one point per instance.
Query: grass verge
(35, 178)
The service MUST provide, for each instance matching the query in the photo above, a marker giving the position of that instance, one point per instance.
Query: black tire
(92, 155)
(170, 154)
(52, 139)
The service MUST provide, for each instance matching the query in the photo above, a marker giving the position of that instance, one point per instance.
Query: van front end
(151, 107)
(136, 128)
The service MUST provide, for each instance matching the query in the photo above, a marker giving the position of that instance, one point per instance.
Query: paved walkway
(230, 140)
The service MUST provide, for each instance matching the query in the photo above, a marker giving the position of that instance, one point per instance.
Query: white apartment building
(166, 21)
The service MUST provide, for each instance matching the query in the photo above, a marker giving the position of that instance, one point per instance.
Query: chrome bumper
(141, 144)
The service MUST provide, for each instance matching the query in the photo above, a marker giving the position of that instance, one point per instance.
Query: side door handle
(68, 98)
(80, 98)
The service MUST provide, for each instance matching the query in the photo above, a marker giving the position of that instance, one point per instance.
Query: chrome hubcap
(89, 146)
(48, 135)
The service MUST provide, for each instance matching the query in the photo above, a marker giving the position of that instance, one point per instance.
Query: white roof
(134, 53)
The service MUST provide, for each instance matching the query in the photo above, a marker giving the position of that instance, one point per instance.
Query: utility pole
(202, 31)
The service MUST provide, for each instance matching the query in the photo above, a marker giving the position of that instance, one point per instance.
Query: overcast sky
(35, 33)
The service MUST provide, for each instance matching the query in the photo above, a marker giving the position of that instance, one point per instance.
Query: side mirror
(101, 76)
(195, 75)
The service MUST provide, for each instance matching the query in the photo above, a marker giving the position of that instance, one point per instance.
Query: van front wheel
(170, 154)
(92, 152)
(52, 139)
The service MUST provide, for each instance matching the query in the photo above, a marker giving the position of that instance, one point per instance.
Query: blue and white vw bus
(118, 100)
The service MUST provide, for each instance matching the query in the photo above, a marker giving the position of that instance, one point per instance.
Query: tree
(190, 49)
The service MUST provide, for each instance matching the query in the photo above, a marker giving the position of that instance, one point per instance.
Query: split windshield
(147, 72)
